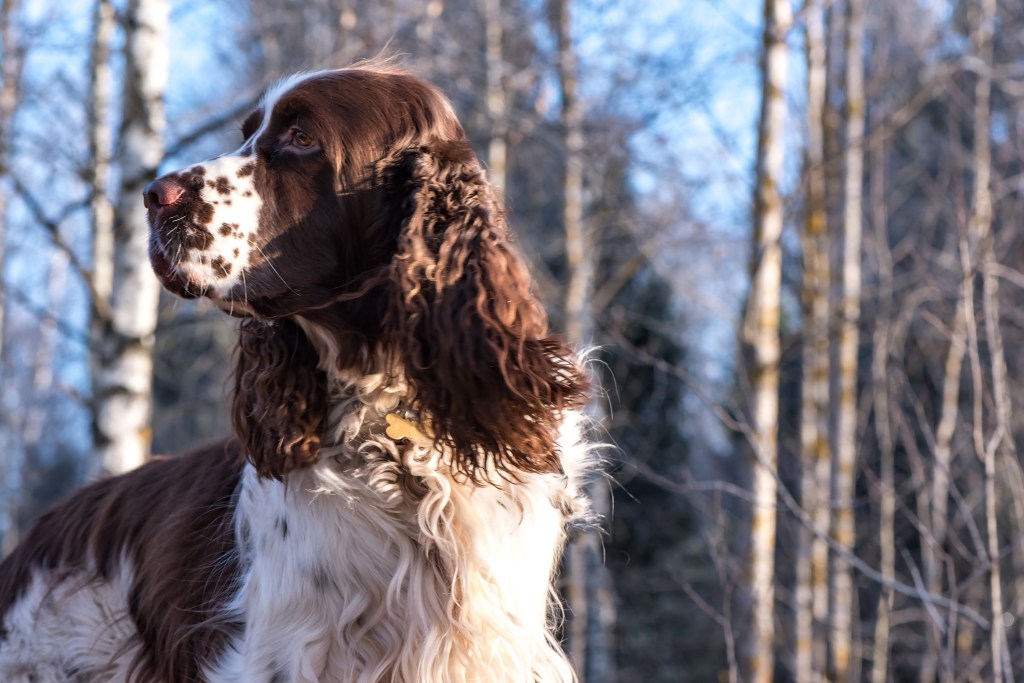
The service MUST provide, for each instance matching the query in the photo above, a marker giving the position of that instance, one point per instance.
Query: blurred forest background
(793, 231)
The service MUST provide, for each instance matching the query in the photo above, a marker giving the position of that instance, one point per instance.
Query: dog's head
(355, 224)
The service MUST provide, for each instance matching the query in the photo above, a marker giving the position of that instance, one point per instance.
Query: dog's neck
(369, 401)
(364, 406)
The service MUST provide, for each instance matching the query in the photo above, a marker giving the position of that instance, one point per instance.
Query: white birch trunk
(814, 447)
(100, 145)
(935, 537)
(846, 419)
(579, 317)
(883, 419)
(590, 590)
(761, 337)
(981, 228)
(123, 392)
(497, 106)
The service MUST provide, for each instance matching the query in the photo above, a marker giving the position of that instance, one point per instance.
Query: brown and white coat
(407, 450)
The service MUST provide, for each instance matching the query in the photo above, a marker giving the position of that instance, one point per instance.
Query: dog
(407, 451)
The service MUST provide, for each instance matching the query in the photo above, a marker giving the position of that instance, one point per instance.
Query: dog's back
(129, 573)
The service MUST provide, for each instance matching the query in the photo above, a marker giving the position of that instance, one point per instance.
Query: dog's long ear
(279, 404)
(487, 375)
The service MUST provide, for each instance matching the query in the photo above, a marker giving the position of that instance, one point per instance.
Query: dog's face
(291, 218)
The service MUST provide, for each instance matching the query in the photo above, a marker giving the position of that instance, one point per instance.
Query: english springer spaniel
(407, 451)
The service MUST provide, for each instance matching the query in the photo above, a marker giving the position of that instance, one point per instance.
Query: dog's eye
(301, 139)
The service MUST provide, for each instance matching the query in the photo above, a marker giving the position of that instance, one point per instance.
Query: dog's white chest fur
(388, 572)
(375, 565)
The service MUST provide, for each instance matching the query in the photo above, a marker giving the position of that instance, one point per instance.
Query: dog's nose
(162, 192)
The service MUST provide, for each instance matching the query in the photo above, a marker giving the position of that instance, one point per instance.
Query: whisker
(245, 290)
(271, 265)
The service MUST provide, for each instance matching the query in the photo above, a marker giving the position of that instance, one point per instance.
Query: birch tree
(881, 402)
(590, 593)
(761, 336)
(815, 454)
(934, 535)
(935, 539)
(123, 392)
(101, 78)
(846, 418)
(497, 106)
(980, 230)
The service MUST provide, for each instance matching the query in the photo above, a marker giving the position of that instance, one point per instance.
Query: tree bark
(815, 454)
(934, 543)
(590, 590)
(761, 338)
(579, 316)
(846, 418)
(497, 106)
(1001, 442)
(100, 146)
(123, 392)
(880, 382)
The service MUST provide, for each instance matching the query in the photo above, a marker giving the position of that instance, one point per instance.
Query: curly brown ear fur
(487, 375)
(280, 402)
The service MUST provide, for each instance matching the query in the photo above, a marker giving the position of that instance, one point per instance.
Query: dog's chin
(181, 284)
(170, 276)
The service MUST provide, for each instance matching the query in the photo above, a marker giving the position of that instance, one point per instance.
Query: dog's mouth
(170, 275)
(234, 301)
(183, 260)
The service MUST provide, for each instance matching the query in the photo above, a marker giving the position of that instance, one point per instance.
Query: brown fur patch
(197, 237)
(172, 518)
(280, 399)
(204, 212)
